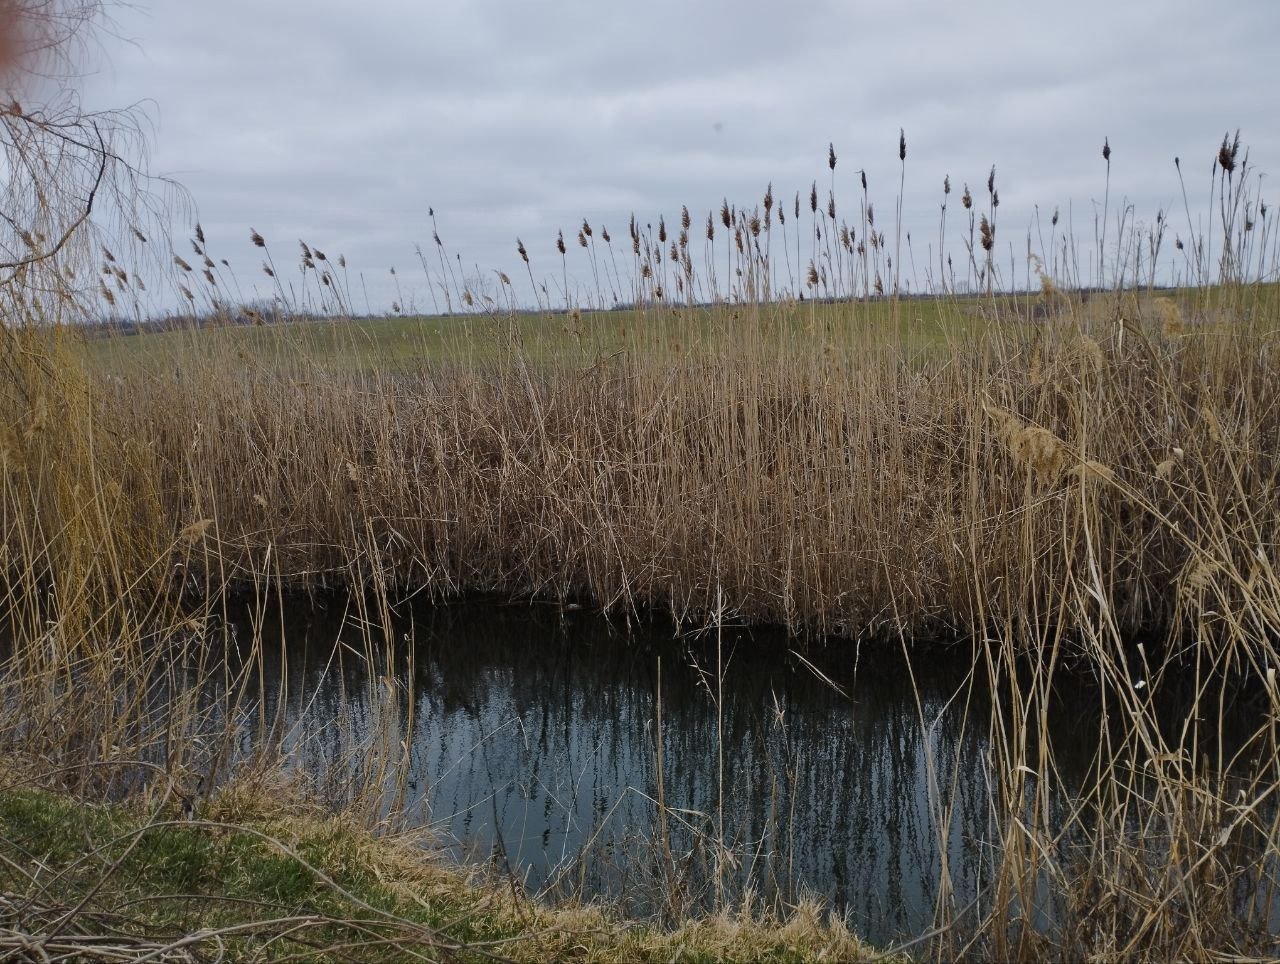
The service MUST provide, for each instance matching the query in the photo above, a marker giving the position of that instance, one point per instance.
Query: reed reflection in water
(533, 738)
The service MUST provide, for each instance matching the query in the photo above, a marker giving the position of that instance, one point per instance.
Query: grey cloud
(344, 123)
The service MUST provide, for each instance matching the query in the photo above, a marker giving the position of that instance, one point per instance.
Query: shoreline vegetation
(263, 873)
(878, 477)
(1069, 484)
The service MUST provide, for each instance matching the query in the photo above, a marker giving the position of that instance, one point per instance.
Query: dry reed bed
(1012, 480)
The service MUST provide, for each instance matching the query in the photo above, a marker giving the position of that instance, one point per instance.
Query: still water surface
(533, 740)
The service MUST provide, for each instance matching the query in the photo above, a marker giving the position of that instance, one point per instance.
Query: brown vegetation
(1086, 481)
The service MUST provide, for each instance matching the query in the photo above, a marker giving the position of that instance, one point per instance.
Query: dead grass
(259, 873)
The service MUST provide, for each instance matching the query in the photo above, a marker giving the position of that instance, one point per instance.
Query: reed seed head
(685, 220)
(831, 156)
(991, 180)
(257, 239)
(988, 234)
(1106, 151)
(520, 250)
(1031, 446)
(181, 263)
(196, 531)
(966, 198)
(586, 228)
(724, 213)
(946, 185)
(768, 199)
(1171, 321)
(560, 242)
(1095, 470)
(902, 144)
(813, 198)
(199, 233)
(1228, 152)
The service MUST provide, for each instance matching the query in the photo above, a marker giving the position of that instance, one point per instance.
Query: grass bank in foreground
(259, 874)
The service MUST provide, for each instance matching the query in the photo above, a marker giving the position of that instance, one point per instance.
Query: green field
(402, 345)
(390, 344)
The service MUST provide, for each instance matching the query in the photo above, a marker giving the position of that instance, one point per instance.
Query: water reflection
(533, 738)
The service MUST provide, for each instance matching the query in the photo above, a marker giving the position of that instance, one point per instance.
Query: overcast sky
(342, 123)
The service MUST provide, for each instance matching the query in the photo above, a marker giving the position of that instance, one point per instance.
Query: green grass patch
(303, 885)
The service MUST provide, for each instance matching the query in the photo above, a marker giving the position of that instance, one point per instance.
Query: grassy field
(919, 328)
(406, 345)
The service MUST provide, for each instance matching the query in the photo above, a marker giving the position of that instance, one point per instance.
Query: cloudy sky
(342, 123)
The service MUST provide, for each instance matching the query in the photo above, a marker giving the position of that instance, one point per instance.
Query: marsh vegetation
(1038, 493)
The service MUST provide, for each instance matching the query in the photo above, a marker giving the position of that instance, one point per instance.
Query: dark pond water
(533, 739)
(529, 738)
